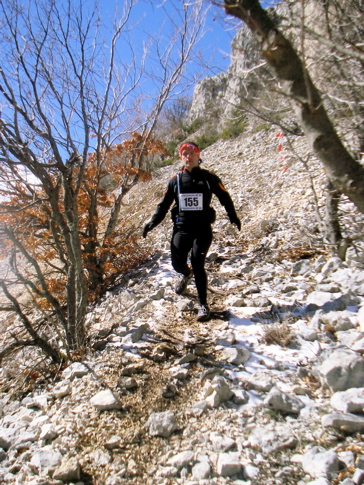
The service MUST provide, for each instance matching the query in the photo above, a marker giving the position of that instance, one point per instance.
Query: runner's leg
(181, 245)
(200, 247)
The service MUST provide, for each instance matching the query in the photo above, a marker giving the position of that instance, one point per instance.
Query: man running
(191, 190)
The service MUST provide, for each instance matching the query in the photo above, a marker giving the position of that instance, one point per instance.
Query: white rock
(162, 424)
(135, 333)
(182, 459)
(201, 471)
(361, 318)
(77, 369)
(221, 443)
(261, 381)
(62, 389)
(350, 401)
(228, 465)
(351, 423)
(48, 432)
(46, 458)
(283, 402)
(342, 369)
(340, 321)
(320, 481)
(8, 437)
(68, 471)
(179, 373)
(100, 457)
(226, 339)
(272, 437)
(318, 462)
(105, 400)
(235, 356)
(217, 391)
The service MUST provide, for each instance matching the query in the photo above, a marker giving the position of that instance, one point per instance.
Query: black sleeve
(164, 205)
(223, 195)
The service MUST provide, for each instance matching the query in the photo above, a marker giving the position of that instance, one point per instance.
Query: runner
(191, 190)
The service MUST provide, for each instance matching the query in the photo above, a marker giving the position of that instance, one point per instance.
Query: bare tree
(69, 99)
(294, 81)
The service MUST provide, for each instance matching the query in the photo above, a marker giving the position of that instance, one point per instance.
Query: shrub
(205, 140)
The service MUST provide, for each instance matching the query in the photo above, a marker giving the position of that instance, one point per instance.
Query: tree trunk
(344, 172)
(332, 219)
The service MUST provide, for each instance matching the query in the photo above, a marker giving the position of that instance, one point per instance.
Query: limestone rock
(283, 402)
(350, 401)
(162, 424)
(342, 369)
(106, 400)
(351, 423)
(318, 462)
(228, 465)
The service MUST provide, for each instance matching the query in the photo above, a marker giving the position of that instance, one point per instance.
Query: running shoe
(203, 313)
(181, 285)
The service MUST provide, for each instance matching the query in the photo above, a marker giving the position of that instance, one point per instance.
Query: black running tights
(198, 241)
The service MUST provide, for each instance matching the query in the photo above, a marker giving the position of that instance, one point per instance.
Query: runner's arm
(225, 200)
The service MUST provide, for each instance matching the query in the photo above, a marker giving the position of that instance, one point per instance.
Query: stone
(62, 389)
(69, 470)
(76, 369)
(217, 392)
(340, 321)
(271, 438)
(105, 401)
(318, 462)
(235, 356)
(282, 402)
(341, 369)
(46, 458)
(179, 373)
(228, 465)
(320, 481)
(188, 358)
(226, 339)
(201, 470)
(48, 432)
(349, 401)
(261, 381)
(221, 443)
(350, 423)
(158, 295)
(8, 437)
(358, 477)
(162, 424)
(135, 333)
(301, 267)
(181, 460)
(100, 457)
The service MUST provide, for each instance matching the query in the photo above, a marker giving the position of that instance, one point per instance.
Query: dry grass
(277, 334)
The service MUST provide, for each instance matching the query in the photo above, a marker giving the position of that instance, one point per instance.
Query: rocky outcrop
(215, 98)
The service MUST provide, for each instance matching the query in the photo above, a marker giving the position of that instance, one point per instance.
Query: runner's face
(190, 158)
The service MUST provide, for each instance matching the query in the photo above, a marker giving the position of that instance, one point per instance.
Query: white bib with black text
(191, 202)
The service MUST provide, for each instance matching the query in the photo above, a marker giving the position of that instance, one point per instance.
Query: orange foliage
(108, 257)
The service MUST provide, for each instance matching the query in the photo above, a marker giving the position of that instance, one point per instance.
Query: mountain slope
(246, 397)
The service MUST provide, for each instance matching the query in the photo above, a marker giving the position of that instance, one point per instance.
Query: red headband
(189, 145)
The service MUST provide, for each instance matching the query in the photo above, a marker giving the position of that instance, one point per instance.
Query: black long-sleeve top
(185, 189)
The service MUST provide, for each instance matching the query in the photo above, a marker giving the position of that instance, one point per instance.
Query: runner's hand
(237, 223)
(148, 227)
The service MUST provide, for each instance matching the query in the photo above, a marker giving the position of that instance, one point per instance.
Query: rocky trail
(269, 391)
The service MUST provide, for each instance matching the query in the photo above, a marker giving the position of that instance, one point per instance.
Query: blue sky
(150, 19)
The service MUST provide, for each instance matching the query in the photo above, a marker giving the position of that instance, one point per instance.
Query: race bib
(190, 202)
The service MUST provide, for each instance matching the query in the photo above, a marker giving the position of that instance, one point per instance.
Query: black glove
(148, 227)
(237, 222)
